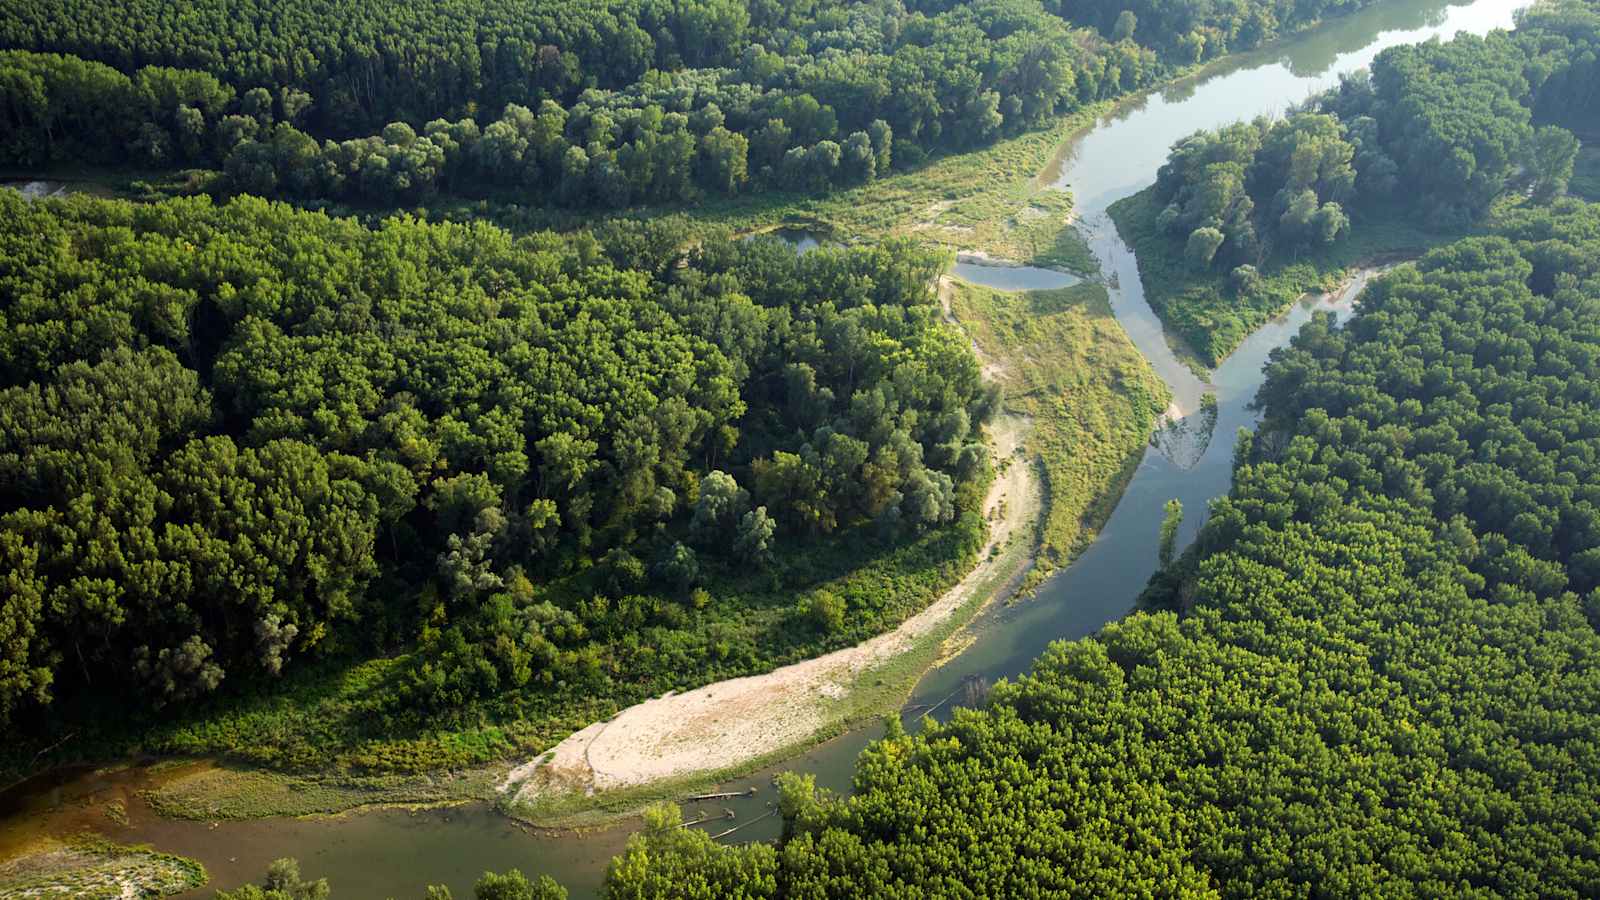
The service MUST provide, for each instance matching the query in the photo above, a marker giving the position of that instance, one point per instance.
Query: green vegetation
(1586, 174)
(990, 200)
(1243, 220)
(1386, 683)
(1067, 365)
(599, 104)
(241, 440)
(1210, 312)
(85, 867)
(1170, 522)
(283, 882)
(573, 105)
(218, 791)
(802, 98)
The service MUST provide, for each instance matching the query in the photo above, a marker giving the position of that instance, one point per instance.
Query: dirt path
(723, 725)
(993, 369)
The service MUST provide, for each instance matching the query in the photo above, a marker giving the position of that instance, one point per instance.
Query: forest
(578, 105)
(1418, 147)
(540, 472)
(380, 497)
(1376, 673)
(368, 63)
(880, 88)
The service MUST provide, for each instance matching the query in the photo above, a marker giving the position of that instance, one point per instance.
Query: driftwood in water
(724, 834)
(726, 814)
(722, 796)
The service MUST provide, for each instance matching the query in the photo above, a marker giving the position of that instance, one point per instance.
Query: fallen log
(722, 796)
(724, 834)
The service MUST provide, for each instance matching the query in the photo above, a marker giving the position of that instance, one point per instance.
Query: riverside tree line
(574, 104)
(1433, 134)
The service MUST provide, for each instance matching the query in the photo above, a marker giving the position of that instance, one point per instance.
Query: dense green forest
(369, 63)
(1241, 219)
(577, 104)
(387, 496)
(878, 87)
(1379, 674)
(556, 468)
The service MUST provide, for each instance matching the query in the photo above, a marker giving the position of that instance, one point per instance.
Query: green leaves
(1383, 681)
(238, 437)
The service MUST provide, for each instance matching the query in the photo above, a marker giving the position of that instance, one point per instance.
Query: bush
(826, 611)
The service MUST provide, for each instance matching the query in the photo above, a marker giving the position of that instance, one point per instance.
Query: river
(395, 852)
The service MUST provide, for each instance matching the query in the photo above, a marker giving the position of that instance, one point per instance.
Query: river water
(393, 853)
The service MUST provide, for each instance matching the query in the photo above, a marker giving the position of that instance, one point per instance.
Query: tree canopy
(1375, 674)
(238, 436)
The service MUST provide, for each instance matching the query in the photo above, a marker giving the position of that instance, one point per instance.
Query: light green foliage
(1202, 247)
(1170, 520)
(664, 860)
(826, 610)
(1089, 399)
(283, 882)
(514, 885)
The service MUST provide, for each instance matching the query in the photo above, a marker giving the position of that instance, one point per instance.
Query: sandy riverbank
(724, 725)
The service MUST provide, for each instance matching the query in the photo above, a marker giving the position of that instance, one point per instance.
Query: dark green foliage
(234, 437)
(1188, 31)
(1550, 161)
(925, 66)
(1450, 122)
(1387, 682)
(1586, 174)
(1429, 139)
(1213, 310)
(1170, 521)
(569, 105)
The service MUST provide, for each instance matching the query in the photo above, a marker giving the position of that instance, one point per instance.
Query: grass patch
(1206, 313)
(87, 866)
(116, 183)
(991, 200)
(228, 792)
(1066, 363)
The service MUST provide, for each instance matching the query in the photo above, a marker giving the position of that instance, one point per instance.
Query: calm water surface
(394, 853)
